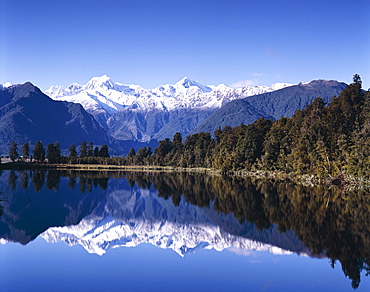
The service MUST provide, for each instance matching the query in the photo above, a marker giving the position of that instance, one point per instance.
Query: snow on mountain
(102, 94)
(131, 112)
(6, 85)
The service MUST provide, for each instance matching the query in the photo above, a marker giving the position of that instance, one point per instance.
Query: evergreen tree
(131, 153)
(165, 147)
(39, 152)
(103, 152)
(13, 151)
(90, 149)
(96, 152)
(72, 151)
(25, 151)
(177, 142)
(142, 156)
(83, 149)
(54, 153)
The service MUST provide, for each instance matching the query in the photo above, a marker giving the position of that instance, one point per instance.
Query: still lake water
(100, 231)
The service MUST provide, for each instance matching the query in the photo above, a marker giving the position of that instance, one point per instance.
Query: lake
(132, 231)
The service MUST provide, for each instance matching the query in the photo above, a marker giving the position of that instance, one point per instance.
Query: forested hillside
(324, 140)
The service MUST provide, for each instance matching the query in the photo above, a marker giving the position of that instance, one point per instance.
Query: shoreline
(305, 179)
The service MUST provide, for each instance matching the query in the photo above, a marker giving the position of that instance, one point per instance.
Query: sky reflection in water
(42, 266)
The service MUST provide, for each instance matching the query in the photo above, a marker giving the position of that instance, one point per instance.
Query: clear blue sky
(151, 43)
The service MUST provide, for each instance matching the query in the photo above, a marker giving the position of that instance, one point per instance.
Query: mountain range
(123, 116)
(130, 112)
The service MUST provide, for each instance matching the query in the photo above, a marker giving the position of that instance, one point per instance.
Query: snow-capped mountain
(101, 93)
(132, 112)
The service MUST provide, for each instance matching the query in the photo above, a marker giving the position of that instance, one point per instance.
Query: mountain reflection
(184, 211)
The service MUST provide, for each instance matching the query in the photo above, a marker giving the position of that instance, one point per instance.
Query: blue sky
(151, 43)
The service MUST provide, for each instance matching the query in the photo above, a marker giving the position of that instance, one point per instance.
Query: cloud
(243, 83)
(270, 52)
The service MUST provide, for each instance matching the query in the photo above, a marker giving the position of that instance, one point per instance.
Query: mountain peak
(24, 90)
(102, 81)
(321, 82)
(186, 82)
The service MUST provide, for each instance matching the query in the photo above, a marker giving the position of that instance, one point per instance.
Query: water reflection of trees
(87, 180)
(328, 221)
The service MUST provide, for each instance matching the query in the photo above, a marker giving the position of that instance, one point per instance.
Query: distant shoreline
(305, 179)
(99, 167)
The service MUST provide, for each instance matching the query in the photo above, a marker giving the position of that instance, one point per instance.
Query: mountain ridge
(28, 115)
(123, 109)
(126, 116)
(272, 105)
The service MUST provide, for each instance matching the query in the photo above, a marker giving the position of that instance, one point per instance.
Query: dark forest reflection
(329, 221)
(86, 180)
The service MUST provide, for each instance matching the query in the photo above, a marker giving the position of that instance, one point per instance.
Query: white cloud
(243, 83)
(269, 51)
(258, 74)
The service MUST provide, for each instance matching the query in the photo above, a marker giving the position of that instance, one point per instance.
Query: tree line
(53, 153)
